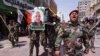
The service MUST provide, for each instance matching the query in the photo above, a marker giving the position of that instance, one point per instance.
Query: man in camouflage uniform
(34, 41)
(85, 37)
(35, 36)
(13, 35)
(91, 33)
(16, 27)
(72, 35)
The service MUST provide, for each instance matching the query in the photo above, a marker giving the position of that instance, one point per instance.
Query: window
(85, 2)
(80, 3)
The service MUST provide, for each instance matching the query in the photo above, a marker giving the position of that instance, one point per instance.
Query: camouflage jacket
(72, 33)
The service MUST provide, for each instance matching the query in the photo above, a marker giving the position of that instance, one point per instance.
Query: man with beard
(72, 36)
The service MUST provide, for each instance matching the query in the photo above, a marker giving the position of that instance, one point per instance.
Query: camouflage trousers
(13, 38)
(86, 43)
(91, 42)
(35, 41)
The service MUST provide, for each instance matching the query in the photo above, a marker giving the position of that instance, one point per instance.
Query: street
(23, 48)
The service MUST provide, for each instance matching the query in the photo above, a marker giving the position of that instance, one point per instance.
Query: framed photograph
(38, 19)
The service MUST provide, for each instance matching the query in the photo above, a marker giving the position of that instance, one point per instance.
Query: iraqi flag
(20, 16)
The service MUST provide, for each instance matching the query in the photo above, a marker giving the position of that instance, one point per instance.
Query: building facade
(50, 4)
(89, 8)
(95, 6)
(93, 9)
(82, 7)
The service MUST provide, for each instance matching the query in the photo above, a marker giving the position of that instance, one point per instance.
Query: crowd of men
(74, 35)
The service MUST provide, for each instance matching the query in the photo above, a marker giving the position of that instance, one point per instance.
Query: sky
(66, 6)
